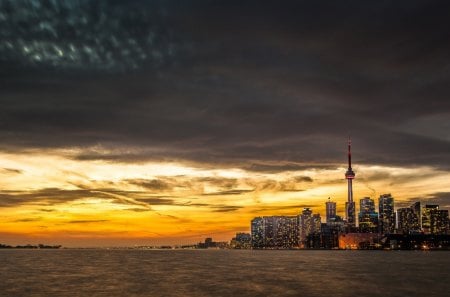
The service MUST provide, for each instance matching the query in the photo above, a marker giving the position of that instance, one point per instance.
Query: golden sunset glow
(49, 196)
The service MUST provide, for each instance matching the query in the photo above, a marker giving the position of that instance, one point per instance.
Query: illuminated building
(350, 204)
(241, 241)
(426, 217)
(209, 243)
(386, 214)
(418, 212)
(274, 232)
(355, 241)
(434, 220)
(330, 208)
(368, 217)
(417, 241)
(407, 221)
(439, 221)
(308, 223)
(316, 222)
(286, 232)
(257, 233)
(330, 236)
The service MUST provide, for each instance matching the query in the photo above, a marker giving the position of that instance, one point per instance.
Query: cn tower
(350, 175)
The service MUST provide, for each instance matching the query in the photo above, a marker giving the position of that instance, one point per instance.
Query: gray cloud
(86, 221)
(266, 89)
(84, 35)
(136, 209)
(154, 184)
(225, 208)
(229, 192)
(298, 207)
(24, 220)
(139, 201)
(12, 170)
(53, 196)
(440, 198)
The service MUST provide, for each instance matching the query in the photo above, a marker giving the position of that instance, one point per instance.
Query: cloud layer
(272, 84)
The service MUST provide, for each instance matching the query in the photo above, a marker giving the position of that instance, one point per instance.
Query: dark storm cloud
(229, 83)
(281, 166)
(83, 34)
(440, 198)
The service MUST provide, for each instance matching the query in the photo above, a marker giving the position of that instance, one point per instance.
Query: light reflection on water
(223, 273)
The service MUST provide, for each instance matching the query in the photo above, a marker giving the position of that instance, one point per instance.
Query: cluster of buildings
(413, 227)
(375, 229)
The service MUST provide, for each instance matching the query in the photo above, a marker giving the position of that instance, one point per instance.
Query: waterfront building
(426, 217)
(417, 241)
(209, 243)
(308, 223)
(275, 232)
(330, 208)
(241, 241)
(355, 241)
(316, 222)
(418, 212)
(439, 221)
(368, 217)
(434, 220)
(330, 235)
(407, 221)
(257, 233)
(386, 214)
(287, 232)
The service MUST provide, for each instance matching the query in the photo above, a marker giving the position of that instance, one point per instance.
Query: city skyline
(165, 122)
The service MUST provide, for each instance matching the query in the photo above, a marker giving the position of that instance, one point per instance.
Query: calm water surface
(223, 273)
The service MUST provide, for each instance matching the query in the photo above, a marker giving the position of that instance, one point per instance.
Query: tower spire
(349, 153)
(350, 175)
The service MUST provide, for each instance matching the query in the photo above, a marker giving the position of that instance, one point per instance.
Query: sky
(165, 122)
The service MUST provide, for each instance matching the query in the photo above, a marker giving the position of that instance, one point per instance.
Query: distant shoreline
(30, 246)
(53, 247)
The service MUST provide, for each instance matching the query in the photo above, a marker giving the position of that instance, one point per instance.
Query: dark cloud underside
(259, 84)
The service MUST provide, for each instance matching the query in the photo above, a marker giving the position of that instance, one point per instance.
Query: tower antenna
(350, 175)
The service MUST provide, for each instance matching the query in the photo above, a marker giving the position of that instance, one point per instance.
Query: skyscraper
(439, 221)
(308, 224)
(407, 220)
(350, 175)
(274, 232)
(368, 217)
(434, 220)
(386, 214)
(257, 233)
(426, 217)
(330, 208)
(418, 212)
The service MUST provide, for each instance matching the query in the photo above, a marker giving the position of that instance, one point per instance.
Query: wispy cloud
(86, 221)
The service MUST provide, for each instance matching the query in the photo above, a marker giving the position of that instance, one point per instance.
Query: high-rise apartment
(386, 214)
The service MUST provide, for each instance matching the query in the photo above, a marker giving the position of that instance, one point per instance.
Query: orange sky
(48, 197)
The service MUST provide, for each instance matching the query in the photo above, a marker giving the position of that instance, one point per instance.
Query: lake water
(99, 272)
